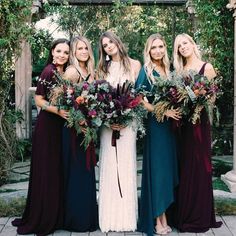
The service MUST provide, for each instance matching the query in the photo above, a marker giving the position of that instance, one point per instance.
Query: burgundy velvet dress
(195, 205)
(44, 206)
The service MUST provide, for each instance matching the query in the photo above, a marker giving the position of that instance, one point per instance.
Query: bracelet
(45, 105)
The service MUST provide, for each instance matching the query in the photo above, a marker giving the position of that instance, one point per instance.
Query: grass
(225, 206)
(14, 207)
(7, 190)
(15, 181)
(220, 185)
(220, 167)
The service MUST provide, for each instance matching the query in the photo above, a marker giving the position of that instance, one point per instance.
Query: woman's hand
(212, 99)
(173, 113)
(117, 127)
(83, 126)
(147, 105)
(63, 113)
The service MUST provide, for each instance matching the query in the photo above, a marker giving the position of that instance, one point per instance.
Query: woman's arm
(147, 105)
(44, 105)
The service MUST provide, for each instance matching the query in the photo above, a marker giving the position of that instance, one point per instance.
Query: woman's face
(82, 53)
(158, 49)
(185, 47)
(109, 47)
(60, 54)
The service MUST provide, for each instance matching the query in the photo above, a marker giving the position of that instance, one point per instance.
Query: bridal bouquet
(123, 107)
(198, 93)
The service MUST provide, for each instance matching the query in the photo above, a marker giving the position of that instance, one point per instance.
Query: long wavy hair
(179, 60)
(148, 63)
(90, 64)
(54, 44)
(103, 65)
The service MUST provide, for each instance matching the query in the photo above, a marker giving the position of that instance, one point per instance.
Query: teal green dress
(160, 171)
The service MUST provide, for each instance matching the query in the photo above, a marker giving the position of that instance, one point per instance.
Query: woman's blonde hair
(148, 64)
(179, 60)
(74, 61)
(103, 64)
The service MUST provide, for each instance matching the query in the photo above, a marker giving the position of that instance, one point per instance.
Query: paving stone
(62, 233)
(18, 177)
(223, 194)
(15, 186)
(21, 170)
(227, 229)
(12, 195)
(21, 164)
(3, 220)
(227, 158)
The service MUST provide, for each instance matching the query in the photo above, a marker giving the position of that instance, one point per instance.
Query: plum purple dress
(195, 205)
(44, 206)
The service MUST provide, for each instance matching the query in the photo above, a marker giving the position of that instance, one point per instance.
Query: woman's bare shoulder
(136, 65)
(209, 71)
(71, 73)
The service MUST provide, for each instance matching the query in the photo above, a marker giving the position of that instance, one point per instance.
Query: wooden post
(23, 81)
(192, 15)
(230, 177)
(23, 77)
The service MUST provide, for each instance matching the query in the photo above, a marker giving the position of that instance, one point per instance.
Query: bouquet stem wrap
(115, 136)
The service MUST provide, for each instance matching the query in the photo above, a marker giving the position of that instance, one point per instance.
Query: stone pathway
(227, 229)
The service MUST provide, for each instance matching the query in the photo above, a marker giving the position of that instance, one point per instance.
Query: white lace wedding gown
(117, 213)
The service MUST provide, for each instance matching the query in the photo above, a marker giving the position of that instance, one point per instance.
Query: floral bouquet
(82, 103)
(122, 107)
(166, 96)
(88, 109)
(198, 93)
(61, 94)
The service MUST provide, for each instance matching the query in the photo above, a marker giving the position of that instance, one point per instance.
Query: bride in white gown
(117, 185)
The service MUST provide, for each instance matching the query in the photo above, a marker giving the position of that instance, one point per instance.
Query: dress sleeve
(45, 81)
(142, 80)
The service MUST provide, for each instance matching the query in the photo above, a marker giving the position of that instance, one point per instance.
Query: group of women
(62, 186)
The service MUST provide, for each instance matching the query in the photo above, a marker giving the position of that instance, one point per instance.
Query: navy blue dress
(80, 186)
(159, 172)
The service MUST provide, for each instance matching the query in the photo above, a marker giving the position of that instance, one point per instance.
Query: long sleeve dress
(159, 171)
